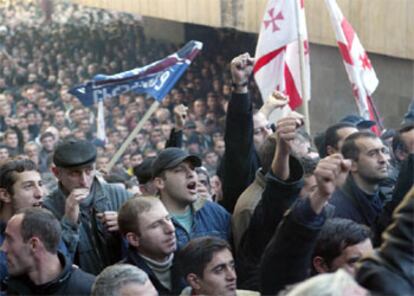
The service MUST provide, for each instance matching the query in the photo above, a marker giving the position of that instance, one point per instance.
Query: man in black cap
(176, 180)
(360, 122)
(86, 207)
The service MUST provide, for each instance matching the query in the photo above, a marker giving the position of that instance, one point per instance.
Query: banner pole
(133, 134)
(304, 83)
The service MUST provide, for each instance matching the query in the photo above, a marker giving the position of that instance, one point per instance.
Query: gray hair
(327, 284)
(114, 277)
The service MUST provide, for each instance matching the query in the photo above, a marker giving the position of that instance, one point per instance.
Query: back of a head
(110, 281)
(328, 284)
(331, 134)
(42, 224)
(195, 256)
(336, 235)
(143, 172)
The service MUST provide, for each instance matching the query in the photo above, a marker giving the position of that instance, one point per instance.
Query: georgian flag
(277, 64)
(360, 72)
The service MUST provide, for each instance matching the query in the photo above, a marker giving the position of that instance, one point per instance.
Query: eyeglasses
(262, 129)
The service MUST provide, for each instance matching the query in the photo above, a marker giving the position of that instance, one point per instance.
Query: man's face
(156, 233)
(72, 178)
(219, 276)
(220, 147)
(4, 154)
(351, 255)
(372, 164)
(179, 184)
(28, 190)
(261, 129)
(31, 151)
(48, 143)
(18, 253)
(136, 160)
(11, 140)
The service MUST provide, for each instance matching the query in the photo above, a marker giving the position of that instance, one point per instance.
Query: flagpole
(133, 134)
(305, 95)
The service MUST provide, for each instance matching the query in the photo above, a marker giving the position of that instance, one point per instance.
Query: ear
(320, 265)
(35, 244)
(132, 239)
(193, 281)
(354, 166)
(55, 171)
(159, 183)
(5, 196)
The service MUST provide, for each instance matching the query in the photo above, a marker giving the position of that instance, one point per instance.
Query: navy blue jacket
(209, 219)
(352, 203)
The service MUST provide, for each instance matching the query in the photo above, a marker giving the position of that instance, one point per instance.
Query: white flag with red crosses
(277, 65)
(360, 72)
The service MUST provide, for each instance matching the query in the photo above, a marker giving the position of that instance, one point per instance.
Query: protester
(359, 198)
(35, 266)
(208, 266)
(147, 226)
(176, 181)
(86, 207)
(123, 279)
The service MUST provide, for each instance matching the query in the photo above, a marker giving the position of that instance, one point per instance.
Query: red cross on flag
(277, 63)
(360, 72)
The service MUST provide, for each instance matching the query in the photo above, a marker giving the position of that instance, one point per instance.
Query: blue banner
(155, 79)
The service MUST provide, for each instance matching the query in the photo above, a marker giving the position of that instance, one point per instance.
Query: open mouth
(192, 187)
(38, 204)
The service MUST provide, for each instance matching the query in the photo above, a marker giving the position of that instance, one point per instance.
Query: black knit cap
(170, 158)
(74, 153)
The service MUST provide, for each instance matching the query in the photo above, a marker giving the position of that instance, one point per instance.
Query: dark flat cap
(170, 158)
(359, 121)
(73, 153)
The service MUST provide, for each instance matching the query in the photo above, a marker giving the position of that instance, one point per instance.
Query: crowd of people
(210, 198)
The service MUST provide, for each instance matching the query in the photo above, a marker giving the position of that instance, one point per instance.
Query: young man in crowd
(86, 207)
(147, 226)
(208, 266)
(35, 266)
(176, 181)
(359, 198)
(20, 187)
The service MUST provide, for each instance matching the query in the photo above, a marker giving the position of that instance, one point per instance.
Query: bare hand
(109, 219)
(277, 100)
(241, 68)
(180, 113)
(329, 171)
(72, 203)
(286, 129)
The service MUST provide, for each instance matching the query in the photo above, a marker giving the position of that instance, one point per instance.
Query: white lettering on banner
(163, 78)
(156, 82)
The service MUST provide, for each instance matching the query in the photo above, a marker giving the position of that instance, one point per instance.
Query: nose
(82, 179)
(169, 226)
(39, 192)
(231, 274)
